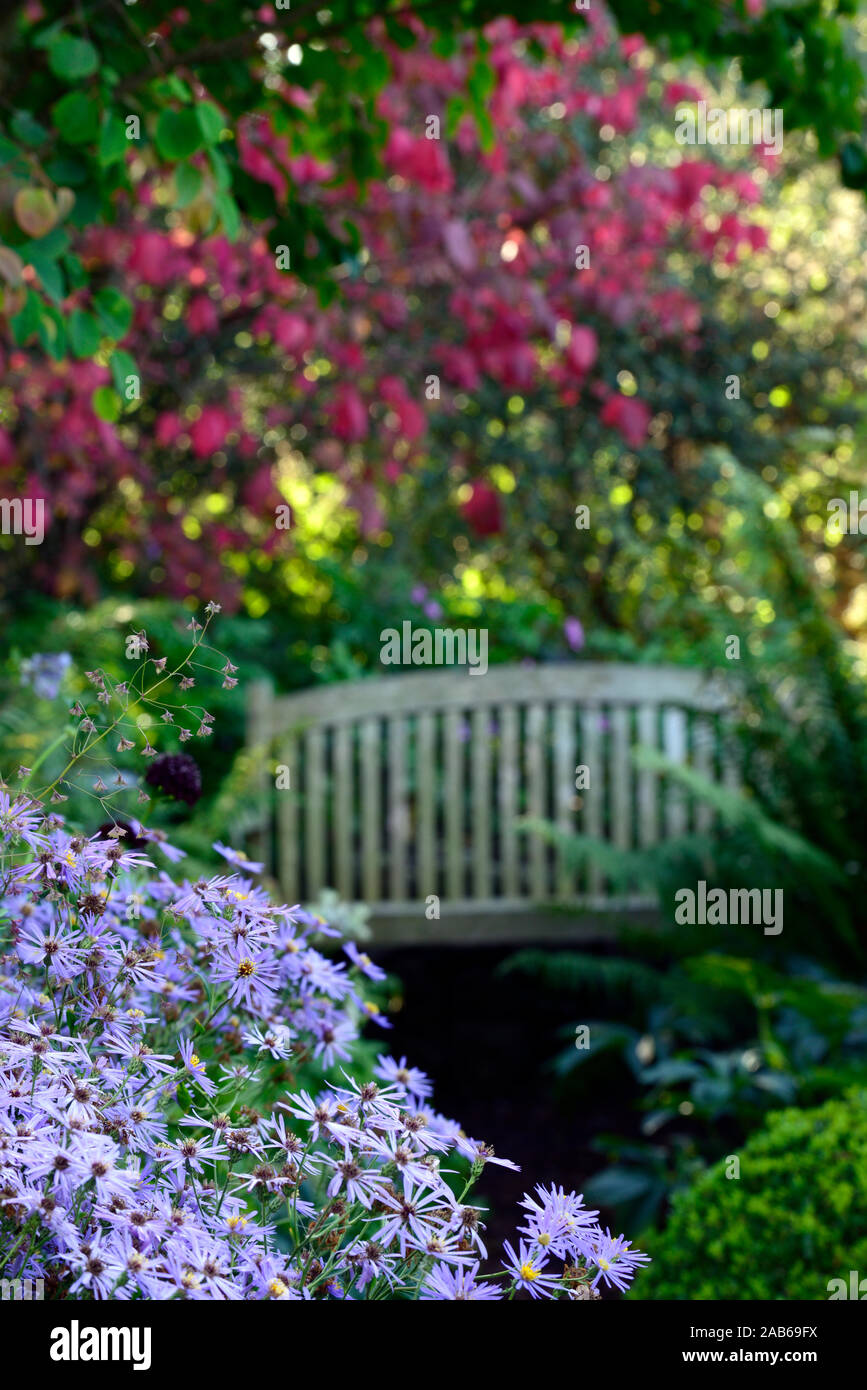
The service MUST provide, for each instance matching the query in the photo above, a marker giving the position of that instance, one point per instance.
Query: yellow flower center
(529, 1273)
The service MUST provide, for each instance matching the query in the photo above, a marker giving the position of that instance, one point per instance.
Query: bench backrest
(408, 786)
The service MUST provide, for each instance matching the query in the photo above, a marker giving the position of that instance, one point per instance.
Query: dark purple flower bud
(176, 774)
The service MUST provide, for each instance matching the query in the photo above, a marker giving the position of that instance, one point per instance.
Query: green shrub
(794, 1219)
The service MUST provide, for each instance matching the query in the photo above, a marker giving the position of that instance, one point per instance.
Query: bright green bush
(794, 1219)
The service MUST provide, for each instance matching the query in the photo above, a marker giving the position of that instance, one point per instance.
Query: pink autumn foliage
(469, 277)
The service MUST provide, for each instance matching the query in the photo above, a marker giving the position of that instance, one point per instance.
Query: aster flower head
(528, 1270)
(460, 1285)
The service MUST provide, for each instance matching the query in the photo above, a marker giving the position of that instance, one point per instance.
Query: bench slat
(314, 820)
(287, 822)
(703, 741)
(674, 746)
(591, 820)
(343, 802)
(564, 788)
(508, 796)
(425, 792)
(454, 804)
(370, 810)
(648, 781)
(621, 778)
(534, 752)
(481, 803)
(398, 823)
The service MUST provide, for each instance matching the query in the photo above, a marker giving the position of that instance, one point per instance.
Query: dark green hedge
(795, 1218)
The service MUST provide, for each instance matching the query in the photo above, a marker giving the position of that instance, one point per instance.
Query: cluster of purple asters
(180, 1109)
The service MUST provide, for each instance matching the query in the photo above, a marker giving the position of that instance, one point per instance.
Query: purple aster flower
(416, 1084)
(250, 974)
(130, 1192)
(364, 1185)
(615, 1261)
(55, 945)
(364, 963)
(19, 820)
(527, 1269)
(275, 1040)
(574, 634)
(457, 1285)
(195, 1067)
(237, 858)
(417, 1212)
(44, 671)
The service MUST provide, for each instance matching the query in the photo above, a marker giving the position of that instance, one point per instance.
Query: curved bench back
(409, 786)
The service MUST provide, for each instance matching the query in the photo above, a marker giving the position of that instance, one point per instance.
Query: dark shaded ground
(484, 1039)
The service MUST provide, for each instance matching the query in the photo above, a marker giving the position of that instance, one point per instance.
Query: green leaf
(445, 45)
(122, 365)
(10, 158)
(853, 165)
(66, 169)
(178, 134)
(87, 208)
(106, 404)
(76, 118)
(49, 36)
(85, 334)
(27, 129)
(72, 59)
(487, 136)
(35, 211)
(113, 143)
(211, 121)
(52, 333)
(115, 311)
(47, 247)
(75, 272)
(188, 182)
(26, 322)
(480, 82)
(227, 210)
(51, 277)
(222, 174)
(172, 88)
(455, 110)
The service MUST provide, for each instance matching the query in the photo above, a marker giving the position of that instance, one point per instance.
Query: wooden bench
(407, 786)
